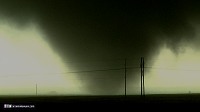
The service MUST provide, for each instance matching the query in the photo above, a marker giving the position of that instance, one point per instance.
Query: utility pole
(36, 89)
(142, 77)
(125, 77)
(141, 81)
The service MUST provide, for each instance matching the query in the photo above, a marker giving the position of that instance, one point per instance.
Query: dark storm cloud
(99, 30)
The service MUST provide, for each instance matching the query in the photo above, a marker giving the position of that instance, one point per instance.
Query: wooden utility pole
(142, 77)
(125, 77)
(36, 89)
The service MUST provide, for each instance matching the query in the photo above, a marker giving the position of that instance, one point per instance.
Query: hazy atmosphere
(70, 47)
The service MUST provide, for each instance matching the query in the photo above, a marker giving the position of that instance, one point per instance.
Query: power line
(99, 70)
(96, 70)
(172, 69)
